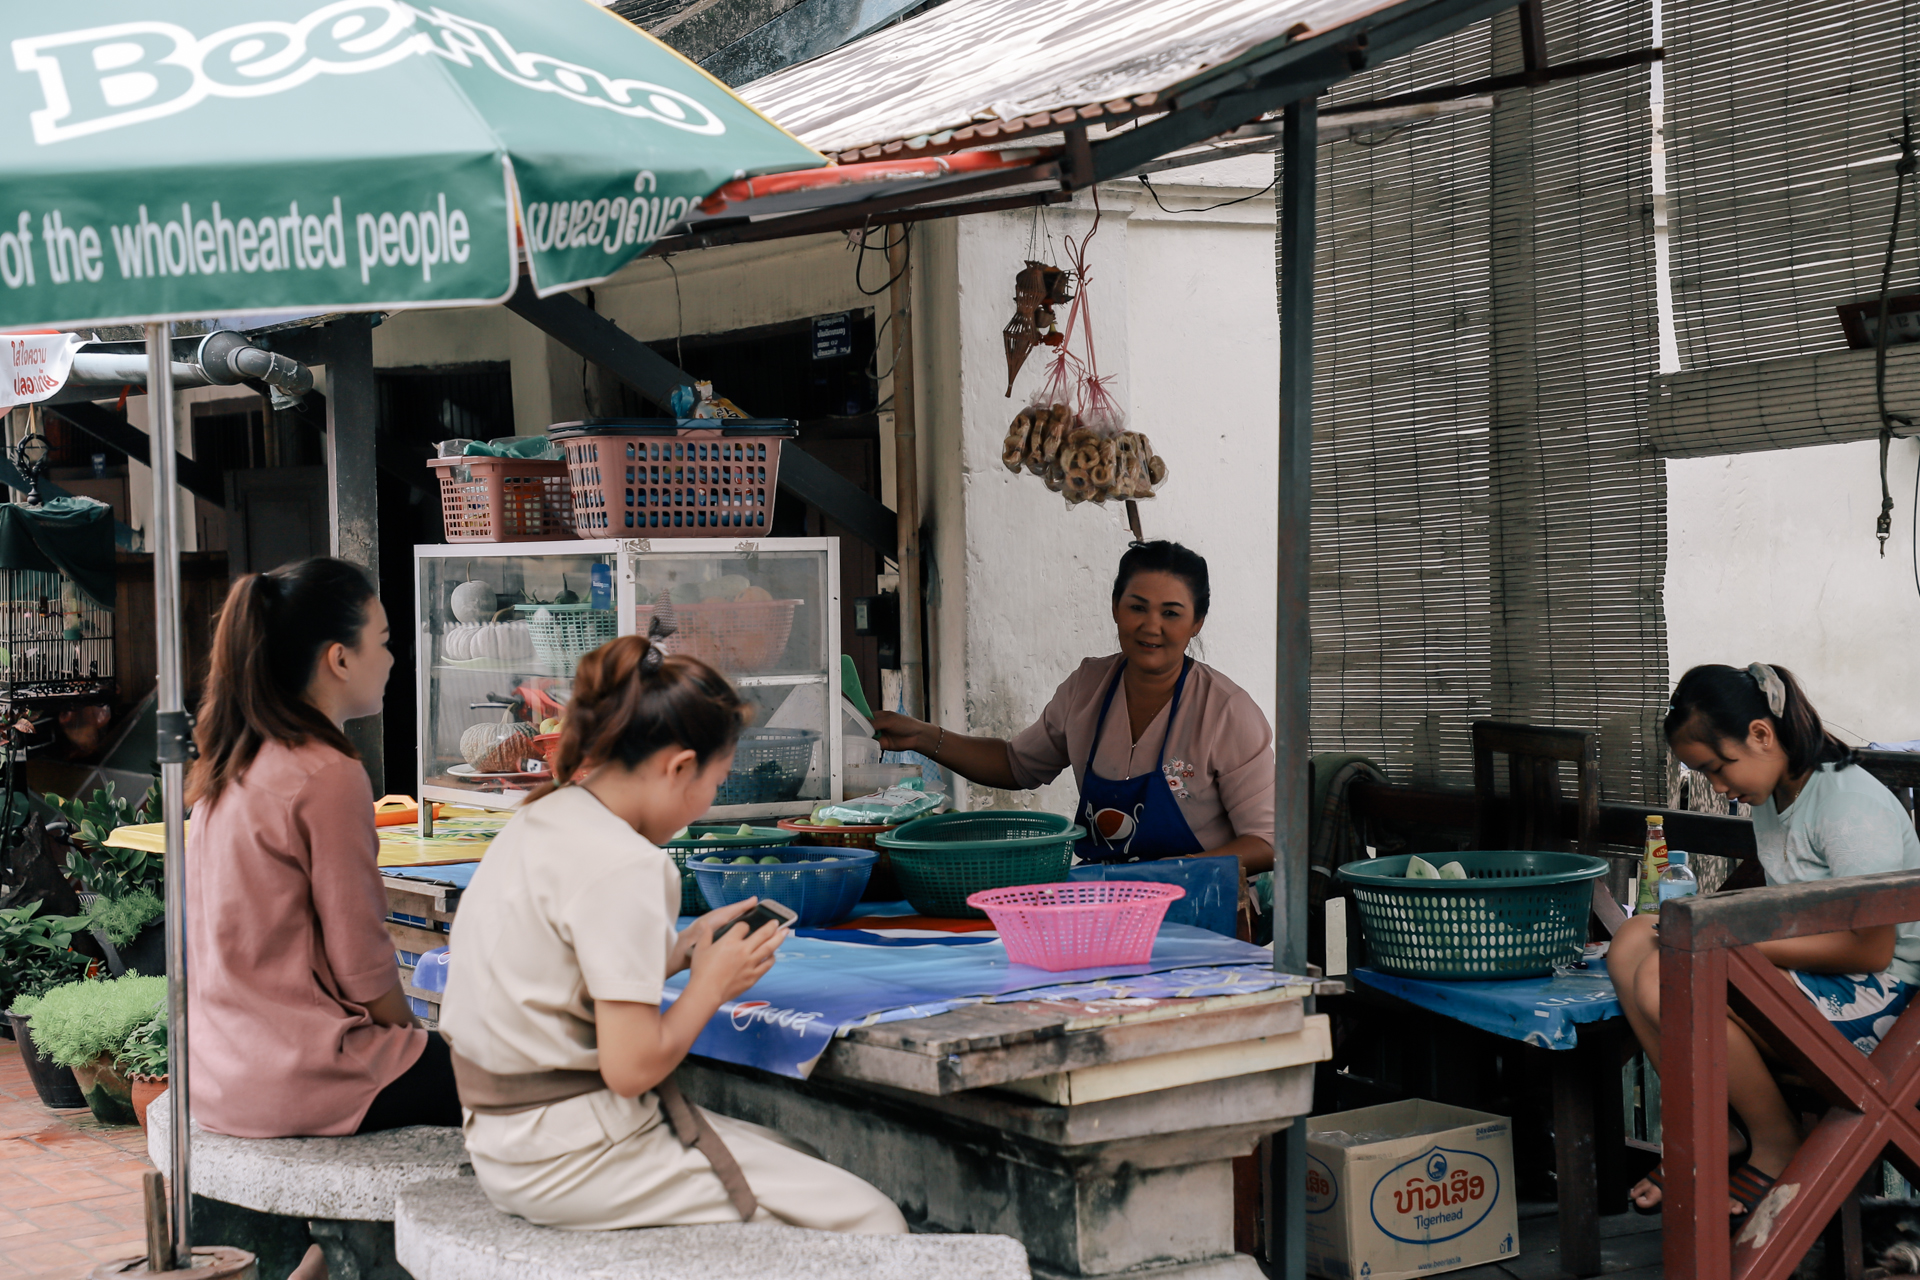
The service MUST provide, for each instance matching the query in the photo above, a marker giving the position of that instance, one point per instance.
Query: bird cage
(54, 641)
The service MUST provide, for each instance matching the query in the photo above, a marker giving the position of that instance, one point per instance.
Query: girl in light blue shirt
(1816, 816)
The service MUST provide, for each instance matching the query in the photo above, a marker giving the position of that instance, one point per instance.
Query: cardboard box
(1433, 1193)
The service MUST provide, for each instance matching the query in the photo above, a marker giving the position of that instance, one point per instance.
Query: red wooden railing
(1708, 965)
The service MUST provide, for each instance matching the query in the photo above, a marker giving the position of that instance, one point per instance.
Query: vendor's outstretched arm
(981, 760)
(1255, 854)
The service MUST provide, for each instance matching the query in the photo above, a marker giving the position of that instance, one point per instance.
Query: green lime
(744, 860)
(746, 829)
(770, 860)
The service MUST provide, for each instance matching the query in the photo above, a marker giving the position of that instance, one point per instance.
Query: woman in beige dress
(564, 943)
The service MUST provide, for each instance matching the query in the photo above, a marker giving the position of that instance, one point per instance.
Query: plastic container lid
(785, 427)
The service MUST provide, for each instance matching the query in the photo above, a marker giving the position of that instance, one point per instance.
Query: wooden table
(1101, 1135)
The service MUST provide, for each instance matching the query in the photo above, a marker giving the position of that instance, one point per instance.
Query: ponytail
(272, 631)
(1716, 702)
(631, 699)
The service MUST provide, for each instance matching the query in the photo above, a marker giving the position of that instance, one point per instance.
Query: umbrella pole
(173, 754)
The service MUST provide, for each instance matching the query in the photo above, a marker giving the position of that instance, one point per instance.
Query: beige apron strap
(693, 1131)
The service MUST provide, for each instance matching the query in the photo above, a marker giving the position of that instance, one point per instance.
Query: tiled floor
(69, 1186)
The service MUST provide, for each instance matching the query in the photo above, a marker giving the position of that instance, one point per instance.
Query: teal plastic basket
(1517, 915)
(940, 861)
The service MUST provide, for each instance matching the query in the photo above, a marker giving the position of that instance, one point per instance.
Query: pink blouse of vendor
(1219, 762)
(286, 945)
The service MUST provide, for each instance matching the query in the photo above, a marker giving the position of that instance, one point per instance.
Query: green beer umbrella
(166, 159)
(172, 159)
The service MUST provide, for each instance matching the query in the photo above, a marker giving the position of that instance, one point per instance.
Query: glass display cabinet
(501, 628)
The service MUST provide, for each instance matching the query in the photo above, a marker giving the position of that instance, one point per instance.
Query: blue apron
(1135, 820)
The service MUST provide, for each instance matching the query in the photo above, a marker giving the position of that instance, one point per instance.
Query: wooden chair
(1532, 815)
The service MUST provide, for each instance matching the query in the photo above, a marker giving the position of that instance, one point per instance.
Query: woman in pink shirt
(298, 1023)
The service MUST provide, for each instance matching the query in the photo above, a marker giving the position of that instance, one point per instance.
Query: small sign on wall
(833, 336)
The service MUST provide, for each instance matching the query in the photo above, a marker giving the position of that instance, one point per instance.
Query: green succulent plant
(74, 1024)
(145, 1050)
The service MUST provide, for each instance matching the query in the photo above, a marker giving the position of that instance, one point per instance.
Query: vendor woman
(1173, 759)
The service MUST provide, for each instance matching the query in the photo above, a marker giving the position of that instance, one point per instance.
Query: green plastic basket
(941, 860)
(1517, 915)
(692, 901)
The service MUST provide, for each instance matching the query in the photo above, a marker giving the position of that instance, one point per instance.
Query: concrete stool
(447, 1230)
(276, 1195)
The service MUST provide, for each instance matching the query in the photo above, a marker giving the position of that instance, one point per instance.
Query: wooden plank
(1575, 1175)
(407, 938)
(1693, 1104)
(992, 1045)
(420, 903)
(1313, 1042)
(1790, 911)
(1453, 809)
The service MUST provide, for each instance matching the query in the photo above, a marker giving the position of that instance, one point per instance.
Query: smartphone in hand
(766, 911)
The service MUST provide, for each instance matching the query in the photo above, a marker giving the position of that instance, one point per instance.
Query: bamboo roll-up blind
(1400, 605)
(1823, 398)
(1578, 544)
(1780, 117)
(1489, 525)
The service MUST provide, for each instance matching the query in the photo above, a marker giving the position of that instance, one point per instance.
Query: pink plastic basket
(1078, 926)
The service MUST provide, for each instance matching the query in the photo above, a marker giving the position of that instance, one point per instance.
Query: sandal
(1749, 1186)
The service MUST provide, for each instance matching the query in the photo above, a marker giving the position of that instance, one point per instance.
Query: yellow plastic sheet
(459, 835)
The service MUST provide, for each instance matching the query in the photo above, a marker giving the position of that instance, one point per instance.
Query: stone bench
(274, 1196)
(446, 1230)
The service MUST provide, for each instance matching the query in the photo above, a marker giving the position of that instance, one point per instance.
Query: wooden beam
(591, 335)
(115, 431)
(1789, 911)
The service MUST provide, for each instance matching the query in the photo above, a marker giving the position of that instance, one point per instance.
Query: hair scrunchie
(662, 624)
(1771, 685)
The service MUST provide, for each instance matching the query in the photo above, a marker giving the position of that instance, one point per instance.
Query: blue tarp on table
(1540, 1011)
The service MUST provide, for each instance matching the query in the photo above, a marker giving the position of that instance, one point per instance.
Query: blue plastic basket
(762, 840)
(819, 891)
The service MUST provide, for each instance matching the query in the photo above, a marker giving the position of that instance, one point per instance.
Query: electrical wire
(679, 317)
(1205, 208)
(886, 245)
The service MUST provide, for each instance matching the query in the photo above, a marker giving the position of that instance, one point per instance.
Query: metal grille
(56, 640)
(1489, 526)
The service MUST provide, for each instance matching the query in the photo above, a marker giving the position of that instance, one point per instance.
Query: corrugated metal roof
(972, 62)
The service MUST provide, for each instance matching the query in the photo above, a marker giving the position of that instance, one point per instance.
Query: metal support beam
(196, 477)
(1225, 100)
(818, 485)
(353, 409)
(583, 330)
(1293, 634)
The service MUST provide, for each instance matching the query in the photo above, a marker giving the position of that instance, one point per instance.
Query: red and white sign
(34, 365)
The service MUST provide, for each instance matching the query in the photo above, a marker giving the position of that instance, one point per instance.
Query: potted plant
(135, 925)
(34, 958)
(143, 1061)
(84, 1025)
(108, 876)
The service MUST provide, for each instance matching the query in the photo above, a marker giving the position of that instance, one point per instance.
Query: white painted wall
(1771, 558)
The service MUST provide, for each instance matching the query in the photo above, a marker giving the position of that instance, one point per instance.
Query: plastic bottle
(1677, 881)
(1652, 863)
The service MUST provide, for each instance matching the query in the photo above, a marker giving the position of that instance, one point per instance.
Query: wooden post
(906, 464)
(1693, 1107)
(159, 1239)
(353, 408)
